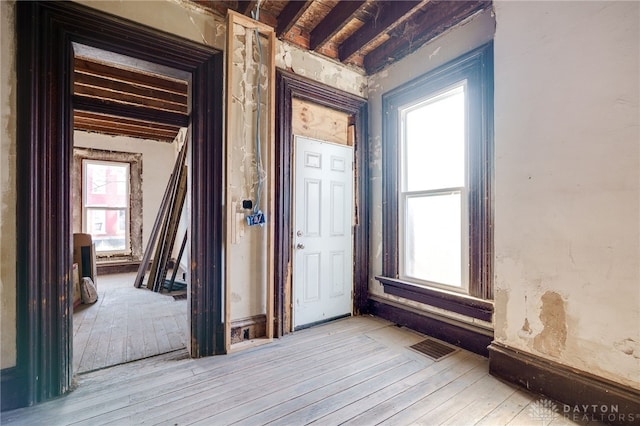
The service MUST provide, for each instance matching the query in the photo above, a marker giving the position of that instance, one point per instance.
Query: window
(105, 209)
(437, 175)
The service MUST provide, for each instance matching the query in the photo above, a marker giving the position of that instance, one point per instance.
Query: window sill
(460, 304)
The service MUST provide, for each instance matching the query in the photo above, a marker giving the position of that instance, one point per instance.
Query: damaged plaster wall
(8, 186)
(158, 159)
(188, 20)
(457, 41)
(567, 184)
(246, 281)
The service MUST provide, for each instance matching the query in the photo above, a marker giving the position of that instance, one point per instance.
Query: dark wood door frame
(288, 87)
(45, 33)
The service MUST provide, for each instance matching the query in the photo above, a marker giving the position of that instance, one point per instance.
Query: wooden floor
(357, 371)
(126, 324)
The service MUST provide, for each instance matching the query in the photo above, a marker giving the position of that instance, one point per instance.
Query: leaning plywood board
(250, 94)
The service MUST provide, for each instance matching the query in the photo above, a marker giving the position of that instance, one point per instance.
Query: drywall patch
(553, 337)
(629, 347)
(501, 300)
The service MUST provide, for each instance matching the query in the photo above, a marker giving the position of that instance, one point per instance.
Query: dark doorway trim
(45, 33)
(289, 86)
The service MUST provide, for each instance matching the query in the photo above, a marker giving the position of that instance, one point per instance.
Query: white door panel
(323, 243)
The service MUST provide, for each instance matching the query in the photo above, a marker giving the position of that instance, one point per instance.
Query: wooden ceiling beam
(390, 14)
(290, 15)
(128, 99)
(423, 26)
(115, 128)
(340, 15)
(136, 112)
(126, 75)
(117, 86)
(89, 117)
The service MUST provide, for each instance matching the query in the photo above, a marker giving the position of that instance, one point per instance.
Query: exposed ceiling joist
(389, 15)
(290, 14)
(115, 125)
(339, 16)
(437, 17)
(117, 100)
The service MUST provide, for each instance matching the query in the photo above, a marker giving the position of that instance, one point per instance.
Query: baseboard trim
(466, 337)
(583, 396)
(248, 328)
(12, 390)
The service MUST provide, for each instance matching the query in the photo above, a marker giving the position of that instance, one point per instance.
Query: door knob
(300, 246)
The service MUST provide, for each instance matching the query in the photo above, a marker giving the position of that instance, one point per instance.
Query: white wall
(475, 32)
(567, 183)
(7, 186)
(158, 159)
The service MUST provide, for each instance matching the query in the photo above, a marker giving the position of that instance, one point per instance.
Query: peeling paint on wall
(553, 337)
(629, 347)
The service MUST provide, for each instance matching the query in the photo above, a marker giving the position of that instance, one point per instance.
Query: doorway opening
(46, 105)
(120, 169)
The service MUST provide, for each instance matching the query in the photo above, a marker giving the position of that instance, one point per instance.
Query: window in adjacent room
(105, 206)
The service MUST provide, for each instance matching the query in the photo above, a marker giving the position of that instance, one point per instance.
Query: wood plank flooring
(356, 371)
(126, 324)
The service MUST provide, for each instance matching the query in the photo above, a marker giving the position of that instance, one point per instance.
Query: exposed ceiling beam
(340, 15)
(290, 15)
(136, 112)
(112, 125)
(436, 18)
(390, 14)
(126, 75)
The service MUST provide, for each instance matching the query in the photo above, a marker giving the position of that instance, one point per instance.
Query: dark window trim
(477, 68)
(458, 303)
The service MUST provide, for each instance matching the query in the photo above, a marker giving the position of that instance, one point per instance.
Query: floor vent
(433, 349)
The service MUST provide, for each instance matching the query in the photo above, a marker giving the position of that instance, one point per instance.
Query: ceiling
(368, 35)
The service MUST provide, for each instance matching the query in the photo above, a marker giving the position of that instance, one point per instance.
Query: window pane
(107, 229)
(433, 244)
(107, 184)
(435, 142)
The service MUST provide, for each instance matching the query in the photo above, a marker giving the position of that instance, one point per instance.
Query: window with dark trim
(437, 186)
(110, 223)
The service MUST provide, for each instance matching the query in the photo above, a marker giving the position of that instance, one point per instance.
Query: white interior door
(322, 240)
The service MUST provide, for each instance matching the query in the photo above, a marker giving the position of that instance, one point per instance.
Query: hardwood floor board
(462, 364)
(240, 389)
(254, 403)
(356, 371)
(458, 404)
(409, 407)
(508, 410)
(223, 377)
(428, 374)
(483, 402)
(340, 397)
